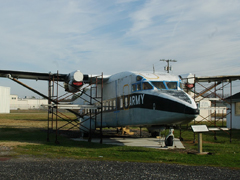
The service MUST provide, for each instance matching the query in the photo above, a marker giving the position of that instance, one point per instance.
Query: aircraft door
(124, 91)
(126, 98)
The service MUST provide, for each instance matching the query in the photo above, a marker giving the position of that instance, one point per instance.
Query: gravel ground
(32, 168)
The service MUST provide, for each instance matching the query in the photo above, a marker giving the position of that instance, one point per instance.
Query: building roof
(217, 78)
(235, 97)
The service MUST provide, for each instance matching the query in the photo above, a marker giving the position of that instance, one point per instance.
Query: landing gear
(154, 134)
(169, 138)
(169, 141)
(156, 131)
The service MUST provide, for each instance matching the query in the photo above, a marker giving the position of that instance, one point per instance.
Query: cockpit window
(146, 85)
(139, 78)
(134, 87)
(138, 87)
(159, 85)
(171, 85)
(165, 84)
(141, 86)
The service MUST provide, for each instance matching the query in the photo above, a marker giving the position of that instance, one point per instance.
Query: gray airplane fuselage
(144, 99)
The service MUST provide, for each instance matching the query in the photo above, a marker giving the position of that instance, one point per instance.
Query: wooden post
(200, 143)
(200, 129)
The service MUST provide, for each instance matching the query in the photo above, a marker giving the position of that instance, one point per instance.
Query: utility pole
(168, 67)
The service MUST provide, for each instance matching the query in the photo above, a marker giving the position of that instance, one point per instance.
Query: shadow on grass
(225, 156)
(38, 136)
(34, 143)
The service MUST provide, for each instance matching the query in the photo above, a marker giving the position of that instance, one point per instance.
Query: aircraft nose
(191, 111)
(190, 114)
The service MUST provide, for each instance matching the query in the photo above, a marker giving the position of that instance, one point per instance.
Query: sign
(199, 128)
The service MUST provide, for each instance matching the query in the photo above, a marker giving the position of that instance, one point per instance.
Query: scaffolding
(94, 108)
(57, 107)
(209, 88)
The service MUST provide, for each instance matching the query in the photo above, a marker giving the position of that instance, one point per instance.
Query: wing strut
(40, 94)
(92, 109)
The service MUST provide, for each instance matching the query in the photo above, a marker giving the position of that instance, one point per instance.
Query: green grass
(33, 142)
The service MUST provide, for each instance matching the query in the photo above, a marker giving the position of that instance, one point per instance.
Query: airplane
(143, 99)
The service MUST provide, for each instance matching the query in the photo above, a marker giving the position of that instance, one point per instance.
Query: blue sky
(113, 36)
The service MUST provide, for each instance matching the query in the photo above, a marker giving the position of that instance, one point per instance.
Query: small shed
(4, 99)
(235, 101)
(204, 110)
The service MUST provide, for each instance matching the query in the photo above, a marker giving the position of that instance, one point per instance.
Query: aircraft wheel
(169, 141)
(154, 134)
(85, 134)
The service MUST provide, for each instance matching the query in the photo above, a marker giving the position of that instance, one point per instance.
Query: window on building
(237, 108)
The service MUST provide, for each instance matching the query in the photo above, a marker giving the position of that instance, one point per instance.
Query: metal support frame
(54, 101)
(55, 115)
(213, 88)
(182, 130)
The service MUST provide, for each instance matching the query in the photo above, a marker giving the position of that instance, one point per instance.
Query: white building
(235, 123)
(208, 107)
(4, 99)
(207, 110)
(19, 103)
(204, 110)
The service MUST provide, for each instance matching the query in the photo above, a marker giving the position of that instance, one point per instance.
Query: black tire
(169, 141)
(85, 134)
(154, 134)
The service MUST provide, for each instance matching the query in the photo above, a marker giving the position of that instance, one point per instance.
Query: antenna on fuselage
(153, 69)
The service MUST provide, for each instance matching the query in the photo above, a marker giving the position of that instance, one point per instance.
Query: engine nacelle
(188, 80)
(74, 81)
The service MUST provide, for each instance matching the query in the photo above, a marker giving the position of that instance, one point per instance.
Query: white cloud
(188, 31)
(111, 36)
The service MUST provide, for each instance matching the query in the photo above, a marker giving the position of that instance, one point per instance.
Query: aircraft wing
(46, 76)
(72, 81)
(31, 75)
